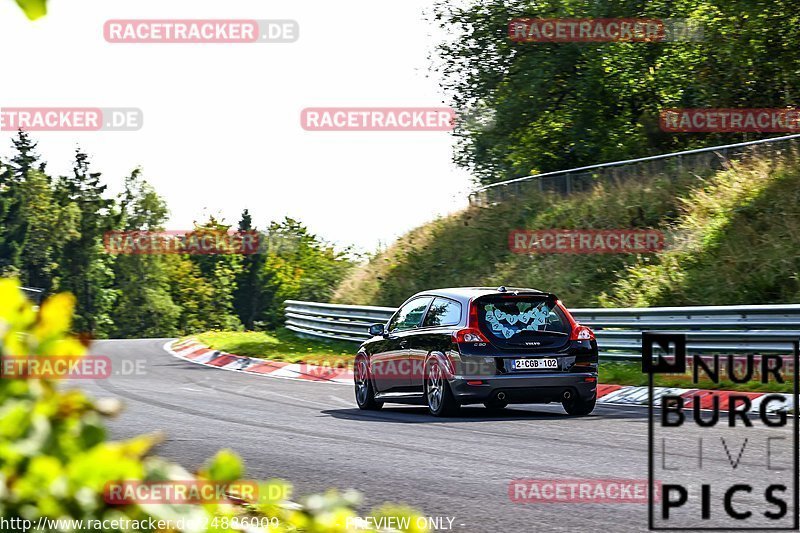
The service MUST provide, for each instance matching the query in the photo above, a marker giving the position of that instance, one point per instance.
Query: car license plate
(534, 364)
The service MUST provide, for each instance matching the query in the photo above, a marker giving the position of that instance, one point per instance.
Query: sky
(221, 127)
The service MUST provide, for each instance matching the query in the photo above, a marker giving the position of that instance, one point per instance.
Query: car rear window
(511, 318)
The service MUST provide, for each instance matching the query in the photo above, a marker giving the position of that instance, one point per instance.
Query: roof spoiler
(512, 292)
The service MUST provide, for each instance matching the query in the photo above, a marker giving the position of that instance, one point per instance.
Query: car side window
(443, 312)
(410, 315)
(554, 320)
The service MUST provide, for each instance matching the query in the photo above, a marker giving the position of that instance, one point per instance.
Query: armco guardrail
(331, 321)
(725, 329)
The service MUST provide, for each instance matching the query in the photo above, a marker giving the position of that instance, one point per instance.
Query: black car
(449, 347)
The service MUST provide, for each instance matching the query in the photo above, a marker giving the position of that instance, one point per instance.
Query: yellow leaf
(12, 300)
(55, 315)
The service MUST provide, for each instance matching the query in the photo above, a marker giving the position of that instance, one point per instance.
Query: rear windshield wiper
(545, 332)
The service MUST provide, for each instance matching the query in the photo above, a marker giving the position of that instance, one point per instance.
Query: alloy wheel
(435, 386)
(362, 388)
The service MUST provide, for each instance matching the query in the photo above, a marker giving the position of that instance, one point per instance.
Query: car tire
(495, 404)
(579, 407)
(438, 396)
(365, 391)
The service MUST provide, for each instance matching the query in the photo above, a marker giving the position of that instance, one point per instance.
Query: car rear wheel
(438, 395)
(578, 406)
(365, 392)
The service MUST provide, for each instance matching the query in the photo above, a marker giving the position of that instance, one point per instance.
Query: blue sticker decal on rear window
(527, 318)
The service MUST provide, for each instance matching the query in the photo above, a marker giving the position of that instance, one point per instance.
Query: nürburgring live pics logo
(734, 468)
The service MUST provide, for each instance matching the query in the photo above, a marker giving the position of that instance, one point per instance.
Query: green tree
(35, 226)
(220, 270)
(84, 270)
(192, 293)
(552, 106)
(299, 265)
(144, 306)
(249, 294)
(14, 227)
(10, 237)
(52, 236)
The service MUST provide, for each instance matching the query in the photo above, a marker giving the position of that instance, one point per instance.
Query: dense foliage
(55, 460)
(731, 237)
(538, 107)
(51, 237)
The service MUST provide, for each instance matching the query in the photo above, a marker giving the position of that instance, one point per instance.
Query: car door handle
(403, 344)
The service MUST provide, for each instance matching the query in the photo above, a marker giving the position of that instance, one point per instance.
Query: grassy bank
(732, 237)
(280, 345)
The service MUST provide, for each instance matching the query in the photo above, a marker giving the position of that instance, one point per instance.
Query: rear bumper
(526, 388)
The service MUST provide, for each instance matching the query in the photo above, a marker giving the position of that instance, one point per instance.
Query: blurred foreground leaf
(55, 461)
(34, 9)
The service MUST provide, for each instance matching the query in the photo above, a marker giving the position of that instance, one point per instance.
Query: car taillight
(581, 333)
(469, 335)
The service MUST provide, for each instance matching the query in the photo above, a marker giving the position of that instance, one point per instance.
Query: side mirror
(376, 329)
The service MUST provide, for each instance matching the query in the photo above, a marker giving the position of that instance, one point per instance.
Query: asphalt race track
(313, 435)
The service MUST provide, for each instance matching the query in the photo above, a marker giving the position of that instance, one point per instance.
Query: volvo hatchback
(450, 347)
